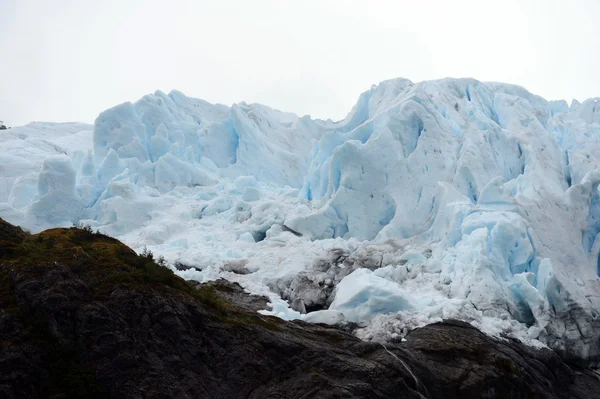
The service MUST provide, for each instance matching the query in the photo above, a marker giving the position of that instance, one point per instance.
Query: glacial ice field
(442, 199)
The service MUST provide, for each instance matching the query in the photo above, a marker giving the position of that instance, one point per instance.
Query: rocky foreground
(84, 316)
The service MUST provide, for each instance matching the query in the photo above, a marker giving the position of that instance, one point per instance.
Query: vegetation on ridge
(107, 264)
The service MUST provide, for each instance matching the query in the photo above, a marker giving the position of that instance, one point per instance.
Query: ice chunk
(242, 182)
(247, 237)
(58, 203)
(251, 194)
(170, 172)
(120, 129)
(328, 316)
(362, 294)
(159, 143)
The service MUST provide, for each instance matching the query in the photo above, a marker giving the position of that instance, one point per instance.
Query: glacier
(451, 198)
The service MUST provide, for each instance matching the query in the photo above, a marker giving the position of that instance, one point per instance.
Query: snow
(443, 199)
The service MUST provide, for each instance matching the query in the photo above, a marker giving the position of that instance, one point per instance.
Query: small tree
(2, 126)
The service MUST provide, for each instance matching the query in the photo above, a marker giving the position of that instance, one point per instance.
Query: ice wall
(497, 186)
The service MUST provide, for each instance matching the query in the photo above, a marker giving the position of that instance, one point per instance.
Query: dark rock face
(10, 238)
(473, 362)
(234, 293)
(83, 316)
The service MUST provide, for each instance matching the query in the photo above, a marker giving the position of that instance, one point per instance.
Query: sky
(68, 60)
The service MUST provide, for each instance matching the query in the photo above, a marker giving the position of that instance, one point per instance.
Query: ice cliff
(448, 198)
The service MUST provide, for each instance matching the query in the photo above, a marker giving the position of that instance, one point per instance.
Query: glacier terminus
(442, 199)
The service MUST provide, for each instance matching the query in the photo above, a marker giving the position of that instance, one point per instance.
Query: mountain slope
(83, 316)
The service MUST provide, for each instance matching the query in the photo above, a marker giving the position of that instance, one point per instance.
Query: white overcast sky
(68, 60)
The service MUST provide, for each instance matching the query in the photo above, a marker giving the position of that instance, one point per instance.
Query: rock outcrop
(83, 316)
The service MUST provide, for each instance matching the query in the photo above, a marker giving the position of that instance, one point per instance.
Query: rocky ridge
(82, 315)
